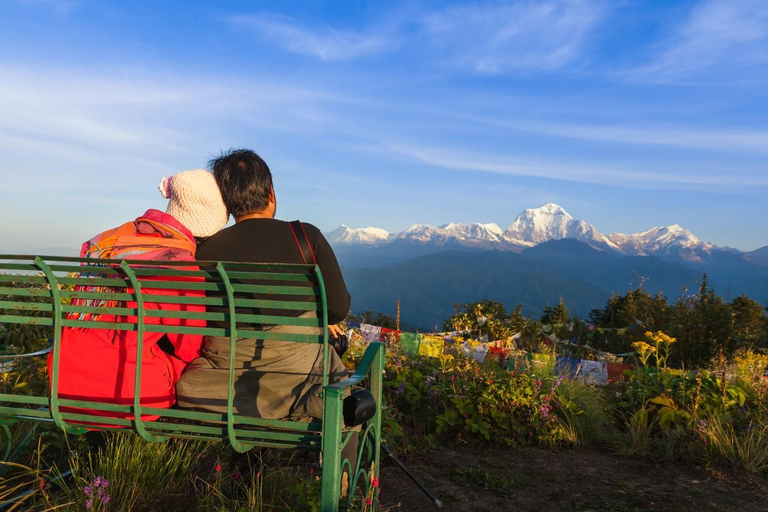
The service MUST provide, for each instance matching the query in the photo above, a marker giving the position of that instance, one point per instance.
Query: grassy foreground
(715, 417)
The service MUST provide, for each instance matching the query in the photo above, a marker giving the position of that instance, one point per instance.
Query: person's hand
(335, 331)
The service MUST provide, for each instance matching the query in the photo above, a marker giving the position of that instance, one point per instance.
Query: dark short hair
(244, 180)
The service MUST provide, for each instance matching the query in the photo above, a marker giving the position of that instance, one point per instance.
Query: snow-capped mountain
(530, 228)
(552, 222)
(669, 240)
(655, 239)
(344, 235)
(480, 236)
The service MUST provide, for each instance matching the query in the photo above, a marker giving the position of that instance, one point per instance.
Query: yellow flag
(431, 346)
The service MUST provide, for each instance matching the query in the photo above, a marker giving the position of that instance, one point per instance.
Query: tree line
(705, 324)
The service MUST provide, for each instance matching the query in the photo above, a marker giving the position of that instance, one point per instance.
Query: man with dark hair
(247, 180)
(274, 379)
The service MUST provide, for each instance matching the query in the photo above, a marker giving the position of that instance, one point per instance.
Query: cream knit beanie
(195, 201)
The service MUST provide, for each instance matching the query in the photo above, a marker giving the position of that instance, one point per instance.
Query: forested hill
(583, 276)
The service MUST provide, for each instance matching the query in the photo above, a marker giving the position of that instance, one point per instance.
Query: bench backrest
(234, 300)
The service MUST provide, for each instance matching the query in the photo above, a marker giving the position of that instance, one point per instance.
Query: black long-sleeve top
(271, 241)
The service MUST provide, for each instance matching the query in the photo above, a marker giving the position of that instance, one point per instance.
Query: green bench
(58, 292)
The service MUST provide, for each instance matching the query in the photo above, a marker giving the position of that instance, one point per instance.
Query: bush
(455, 398)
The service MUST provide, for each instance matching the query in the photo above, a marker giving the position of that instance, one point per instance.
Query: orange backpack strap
(101, 246)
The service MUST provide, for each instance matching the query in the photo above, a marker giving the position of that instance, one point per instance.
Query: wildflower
(97, 481)
(374, 482)
(400, 388)
(236, 474)
(218, 468)
(88, 504)
(87, 490)
(538, 383)
(642, 346)
(369, 501)
(106, 499)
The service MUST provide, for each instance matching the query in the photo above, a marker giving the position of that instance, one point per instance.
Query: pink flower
(369, 501)
(374, 482)
(218, 468)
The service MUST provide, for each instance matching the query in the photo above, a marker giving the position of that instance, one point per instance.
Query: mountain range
(545, 254)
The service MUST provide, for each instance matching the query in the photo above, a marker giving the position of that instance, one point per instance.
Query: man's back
(264, 240)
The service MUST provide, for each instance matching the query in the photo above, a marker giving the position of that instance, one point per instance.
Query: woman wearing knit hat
(96, 364)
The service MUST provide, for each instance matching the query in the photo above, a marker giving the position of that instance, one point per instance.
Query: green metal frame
(227, 286)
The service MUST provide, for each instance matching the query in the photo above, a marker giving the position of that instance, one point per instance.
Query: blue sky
(629, 114)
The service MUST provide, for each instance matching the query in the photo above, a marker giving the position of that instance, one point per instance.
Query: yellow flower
(659, 337)
(642, 347)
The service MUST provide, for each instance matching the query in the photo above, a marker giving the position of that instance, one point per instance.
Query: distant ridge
(543, 255)
(532, 227)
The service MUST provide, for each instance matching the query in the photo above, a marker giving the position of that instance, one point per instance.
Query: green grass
(745, 449)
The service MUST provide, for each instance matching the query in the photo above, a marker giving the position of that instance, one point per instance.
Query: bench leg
(332, 424)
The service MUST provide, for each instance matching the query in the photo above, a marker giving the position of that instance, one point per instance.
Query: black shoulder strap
(302, 241)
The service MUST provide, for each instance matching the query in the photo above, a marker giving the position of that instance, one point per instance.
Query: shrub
(456, 398)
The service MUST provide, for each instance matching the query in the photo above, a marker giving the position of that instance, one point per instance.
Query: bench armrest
(363, 369)
(368, 455)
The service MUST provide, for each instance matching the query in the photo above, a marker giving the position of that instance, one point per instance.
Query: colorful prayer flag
(409, 342)
(431, 346)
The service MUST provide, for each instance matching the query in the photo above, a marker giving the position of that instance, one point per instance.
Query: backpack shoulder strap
(305, 248)
(102, 245)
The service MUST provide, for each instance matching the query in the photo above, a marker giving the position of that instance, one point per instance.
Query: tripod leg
(437, 502)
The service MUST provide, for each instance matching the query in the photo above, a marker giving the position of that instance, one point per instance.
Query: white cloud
(326, 43)
(499, 38)
(719, 35)
(84, 112)
(619, 175)
(487, 38)
(736, 141)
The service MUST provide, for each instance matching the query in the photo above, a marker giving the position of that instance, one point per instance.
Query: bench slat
(26, 320)
(178, 329)
(16, 278)
(27, 267)
(26, 306)
(166, 299)
(24, 292)
(156, 313)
